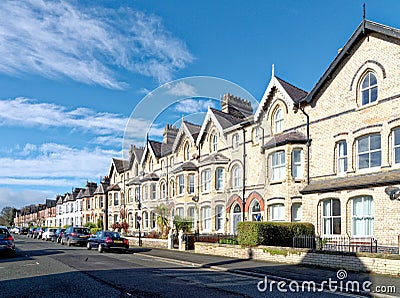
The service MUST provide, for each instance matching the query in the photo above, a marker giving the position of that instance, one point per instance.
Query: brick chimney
(236, 106)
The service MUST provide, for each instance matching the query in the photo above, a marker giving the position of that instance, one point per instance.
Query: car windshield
(4, 232)
(82, 231)
(112, 234)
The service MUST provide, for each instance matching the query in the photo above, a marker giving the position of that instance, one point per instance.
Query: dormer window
(278, 120)
(369, 89)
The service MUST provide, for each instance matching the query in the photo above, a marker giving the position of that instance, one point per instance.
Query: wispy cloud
(194, 105)
(181, 89)
(25, 112)
(54, 164)
(21, 198)
(59, 39)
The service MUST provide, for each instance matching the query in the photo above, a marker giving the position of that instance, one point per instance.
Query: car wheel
(88, 246)
(62, 241)
(100, 248)
(68, 242)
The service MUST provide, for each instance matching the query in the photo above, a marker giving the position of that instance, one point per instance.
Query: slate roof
(121, 165)
(133, 181)
(114, 187)
(166, 149)
(90, 189)
(194, 129)
(50, 203)
(353, 182)
(81, 194)
(226, 120)
(138, 152)
(215, 158)
(156, 147)
(291, 137)
(186, 166)
(294, 92)
(150, 177)
(101, 188)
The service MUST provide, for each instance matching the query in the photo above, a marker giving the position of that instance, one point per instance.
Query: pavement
(375, 285)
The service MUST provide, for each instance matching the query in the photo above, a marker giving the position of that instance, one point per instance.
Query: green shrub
(94, 230)
(90, 225)
(253, 233)
(228, 241)
(183, 223)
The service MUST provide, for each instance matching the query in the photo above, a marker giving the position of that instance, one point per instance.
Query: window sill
(362, 107)
(276, 182)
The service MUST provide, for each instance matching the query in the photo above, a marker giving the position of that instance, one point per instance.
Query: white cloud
(59, 39)
(26, 113)
(52, 162)
(181, 89)
(21, 198)
(194, 105)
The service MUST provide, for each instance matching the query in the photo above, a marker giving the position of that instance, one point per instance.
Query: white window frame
(236, 177)
(181, 185)
(163, 190)
(328, 217)
(235, 141)
(191, 184)
(254, 213)
(396, 146)
(277, 212)
(279, 120)
(219, 218)
(368, 89)
(153, 190)
(180, 212)
(186, 152)
(206, 180)
(206, 218)
(297, 165)
(219, 179)
(369, 151)
(342, 157)
(278, 165)
(256, 135)
(363, 216)
(214, 142)
(297, 212)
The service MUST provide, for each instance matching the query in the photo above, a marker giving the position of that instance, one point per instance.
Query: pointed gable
(189, 130)
(291, 95)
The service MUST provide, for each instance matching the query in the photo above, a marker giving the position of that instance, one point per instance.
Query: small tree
(116, 226)
(90, 225)
(162, 218)
(100, 224)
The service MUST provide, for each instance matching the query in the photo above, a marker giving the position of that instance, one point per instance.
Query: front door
(236, 218)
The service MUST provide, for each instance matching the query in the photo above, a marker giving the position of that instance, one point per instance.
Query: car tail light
(10, 238)
(126, 242)
(109, 240)
(74, 234)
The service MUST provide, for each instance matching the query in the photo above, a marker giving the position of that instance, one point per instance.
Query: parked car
(7, 244)
(48, 233)
(107, 240)
(75, 235)
(57, 235)
(38, 233)
(31, 232)
(14, 230)
(23, 231)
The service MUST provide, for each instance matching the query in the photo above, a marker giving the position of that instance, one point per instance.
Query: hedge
(253, 233)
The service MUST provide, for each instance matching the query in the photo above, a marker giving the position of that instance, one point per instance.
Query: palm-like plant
(162, 218)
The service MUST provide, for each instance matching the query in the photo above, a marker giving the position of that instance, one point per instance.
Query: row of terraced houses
(325, 156)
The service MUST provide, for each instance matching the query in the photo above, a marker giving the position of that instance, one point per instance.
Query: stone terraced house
(330, 156)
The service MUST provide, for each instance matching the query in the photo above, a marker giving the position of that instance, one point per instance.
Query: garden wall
(364, 262)
(148, 242)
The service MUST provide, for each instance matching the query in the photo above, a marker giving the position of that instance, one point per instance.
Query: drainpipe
(308, 141)
(244, 175)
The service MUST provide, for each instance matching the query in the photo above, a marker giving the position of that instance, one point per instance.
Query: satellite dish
(393, 192)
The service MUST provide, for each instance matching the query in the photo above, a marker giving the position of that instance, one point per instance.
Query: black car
(75, 235)
(57, 235)
(31, 232)
(23, 231)
(107, 240)
(7, 245)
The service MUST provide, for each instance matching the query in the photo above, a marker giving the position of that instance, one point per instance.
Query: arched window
(163, 191)
(145, 220)
(235, 141)
(186, 152)
(369, 89)
(255, 211)
(236, 176)
(342, 157)
(278, 121)
(150, 164)
(116, 199)
(214, 142)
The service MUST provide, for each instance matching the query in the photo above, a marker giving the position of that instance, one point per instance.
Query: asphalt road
(46, 269)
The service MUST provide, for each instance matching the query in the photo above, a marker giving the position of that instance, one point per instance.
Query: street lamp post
(139, 218)
(196, 200)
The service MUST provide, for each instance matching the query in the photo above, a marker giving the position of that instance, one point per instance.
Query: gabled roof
(292, 94)
(186, 129)
(366, 27)
(50, 203)
(101, 189)
(114, 187)
(81, 194)
(90, 189)
(138, 153)
(221, 120)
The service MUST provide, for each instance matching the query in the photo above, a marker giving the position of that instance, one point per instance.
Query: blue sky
(73, 72)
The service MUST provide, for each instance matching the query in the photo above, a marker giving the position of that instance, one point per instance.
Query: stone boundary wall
(148, 242)
(361, 262)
